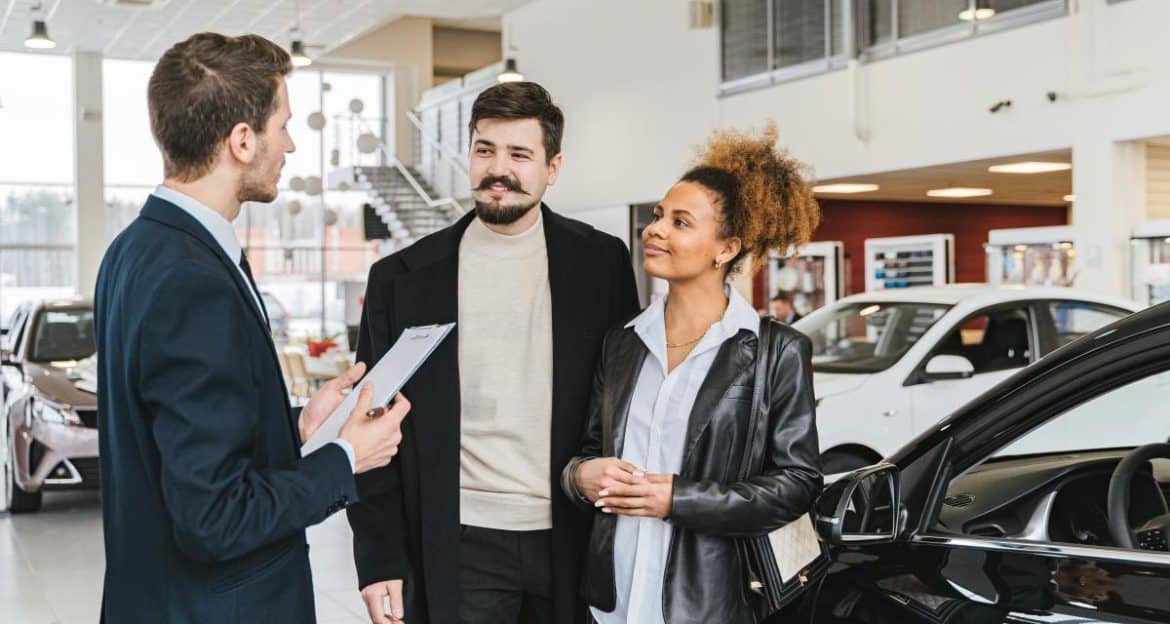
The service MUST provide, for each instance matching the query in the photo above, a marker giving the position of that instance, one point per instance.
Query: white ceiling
(145, 33)
(1044, 189)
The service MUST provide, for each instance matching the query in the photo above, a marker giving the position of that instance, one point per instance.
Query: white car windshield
(868, 337)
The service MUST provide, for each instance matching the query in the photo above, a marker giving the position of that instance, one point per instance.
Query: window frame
(854, 36)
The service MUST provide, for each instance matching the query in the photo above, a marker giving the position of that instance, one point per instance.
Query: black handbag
(779, 565)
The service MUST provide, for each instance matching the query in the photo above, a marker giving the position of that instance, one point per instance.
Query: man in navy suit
(205, 495)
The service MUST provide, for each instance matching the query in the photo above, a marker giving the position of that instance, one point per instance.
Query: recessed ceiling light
(959, 192)
(968, 15)
(1030, 166)
(1069, 198)
(845, 187)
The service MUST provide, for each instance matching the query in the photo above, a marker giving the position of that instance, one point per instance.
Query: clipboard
(388, 376)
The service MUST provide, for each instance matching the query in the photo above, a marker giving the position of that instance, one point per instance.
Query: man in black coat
(468, 524)
(205, 495)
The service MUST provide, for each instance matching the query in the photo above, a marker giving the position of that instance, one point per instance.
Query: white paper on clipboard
(388, 376)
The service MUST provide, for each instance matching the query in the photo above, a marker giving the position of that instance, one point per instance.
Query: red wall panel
(853, 221)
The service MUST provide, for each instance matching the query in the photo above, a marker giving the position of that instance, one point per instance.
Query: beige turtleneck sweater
(505, 379)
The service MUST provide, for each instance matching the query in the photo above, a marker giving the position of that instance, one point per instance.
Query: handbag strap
(759, 397)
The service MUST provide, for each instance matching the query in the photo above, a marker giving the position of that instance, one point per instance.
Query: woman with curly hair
(668, 421)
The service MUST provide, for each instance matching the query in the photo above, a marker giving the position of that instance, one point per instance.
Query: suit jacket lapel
(163, 211)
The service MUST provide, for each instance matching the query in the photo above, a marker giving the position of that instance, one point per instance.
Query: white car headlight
(54, 413)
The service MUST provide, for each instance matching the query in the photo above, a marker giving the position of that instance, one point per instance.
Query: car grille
(87, 467)
(88, 418)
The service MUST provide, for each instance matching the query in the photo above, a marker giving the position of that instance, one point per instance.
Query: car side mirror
(942, 367)
(860, 508)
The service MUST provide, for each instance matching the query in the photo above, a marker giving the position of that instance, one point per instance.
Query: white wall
(639, 91)
(636, 87)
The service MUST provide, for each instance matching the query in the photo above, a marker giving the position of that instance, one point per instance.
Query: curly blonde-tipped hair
(761, 192)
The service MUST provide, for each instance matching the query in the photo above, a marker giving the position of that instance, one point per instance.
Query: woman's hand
(650, 498)
(598, 474)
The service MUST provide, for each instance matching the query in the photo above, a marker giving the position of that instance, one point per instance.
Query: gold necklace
(685, 344)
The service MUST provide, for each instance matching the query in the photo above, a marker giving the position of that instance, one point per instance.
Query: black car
(1043, 500)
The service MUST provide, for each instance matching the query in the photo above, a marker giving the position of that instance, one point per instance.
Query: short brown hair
(202, 87)
(522, 100)
(760, 190)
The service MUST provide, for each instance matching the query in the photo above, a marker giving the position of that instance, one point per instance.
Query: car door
(942, 569)
(998, 341)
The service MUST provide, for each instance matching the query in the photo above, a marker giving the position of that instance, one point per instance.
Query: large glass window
(745, 38)
(307, 253)
(760, 38)
(38, 235)
(919, 16)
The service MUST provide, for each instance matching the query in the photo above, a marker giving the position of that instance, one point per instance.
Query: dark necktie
(252, 281)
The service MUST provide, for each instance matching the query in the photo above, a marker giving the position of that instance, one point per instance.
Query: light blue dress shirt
(656, 429)
(222, 231)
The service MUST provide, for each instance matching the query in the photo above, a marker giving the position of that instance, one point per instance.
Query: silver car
(48, 412)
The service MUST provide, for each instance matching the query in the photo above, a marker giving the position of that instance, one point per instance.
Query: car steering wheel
(1153, 534)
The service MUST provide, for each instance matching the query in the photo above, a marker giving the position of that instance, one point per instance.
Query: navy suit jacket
(205, 497)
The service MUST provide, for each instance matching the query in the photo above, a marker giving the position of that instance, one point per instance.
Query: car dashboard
(1049, 498)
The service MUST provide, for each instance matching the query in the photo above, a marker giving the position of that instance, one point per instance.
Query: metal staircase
(404, 201)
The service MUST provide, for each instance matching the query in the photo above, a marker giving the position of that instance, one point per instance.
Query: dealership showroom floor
(983, 280)
(51, 564)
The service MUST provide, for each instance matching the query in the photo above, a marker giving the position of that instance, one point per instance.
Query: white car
(889, 364)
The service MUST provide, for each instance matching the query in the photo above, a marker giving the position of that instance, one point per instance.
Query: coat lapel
(629, 357)
(570, 294)
(734, 357)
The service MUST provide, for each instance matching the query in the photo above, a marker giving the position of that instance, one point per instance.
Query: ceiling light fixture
(959, 192)
(510, 73)
(1030, 166)
(297, 52)
(845, 188)
(39, 39)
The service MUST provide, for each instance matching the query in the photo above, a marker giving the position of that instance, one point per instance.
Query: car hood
(829, 384)
(70, 385)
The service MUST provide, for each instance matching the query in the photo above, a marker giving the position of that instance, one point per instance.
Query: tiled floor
(51, 565)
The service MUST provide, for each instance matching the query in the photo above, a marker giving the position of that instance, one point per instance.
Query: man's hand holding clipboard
(377, 404)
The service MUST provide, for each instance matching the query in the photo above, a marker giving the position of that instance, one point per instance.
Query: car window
(867, 337)
(992, 341)
(1073, 319)
(1130, 415)
(1073, 510)
(63, 334)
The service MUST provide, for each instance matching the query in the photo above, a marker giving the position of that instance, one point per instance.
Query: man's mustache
(506, 182)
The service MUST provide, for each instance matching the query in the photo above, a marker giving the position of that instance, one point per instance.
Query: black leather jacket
(704, 578)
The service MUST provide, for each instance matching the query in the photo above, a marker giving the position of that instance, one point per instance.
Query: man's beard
(496, 212)
(254, 187)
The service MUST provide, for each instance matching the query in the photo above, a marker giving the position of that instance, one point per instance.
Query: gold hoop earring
(718, 264)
